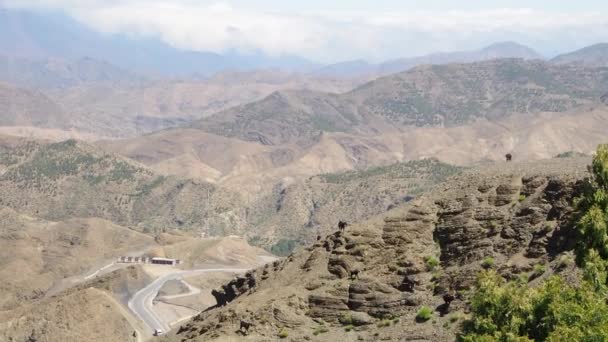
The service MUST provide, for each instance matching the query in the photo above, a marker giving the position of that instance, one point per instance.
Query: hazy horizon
(330, 32)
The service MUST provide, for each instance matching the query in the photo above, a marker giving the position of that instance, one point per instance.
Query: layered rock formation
(369, 282)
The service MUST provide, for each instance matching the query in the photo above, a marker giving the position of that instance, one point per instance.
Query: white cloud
(220, 26)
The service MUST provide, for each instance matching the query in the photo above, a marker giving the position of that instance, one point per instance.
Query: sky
(336, 30)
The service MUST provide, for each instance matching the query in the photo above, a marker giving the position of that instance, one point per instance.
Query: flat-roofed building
(164, 261)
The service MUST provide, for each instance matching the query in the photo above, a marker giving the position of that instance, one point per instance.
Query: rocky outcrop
(509, 221)
(376, 298)
(377, 274)
(238, 286)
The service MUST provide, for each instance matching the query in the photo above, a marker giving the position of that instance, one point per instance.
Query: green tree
(593, 206)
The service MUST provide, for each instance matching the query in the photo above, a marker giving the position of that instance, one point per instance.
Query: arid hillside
(92, 99)
(437, 95)
(22, 107)
(58, 181)
(303, 210)
(70, 179)
(38, 253)
(461, 114)
(407, 272)
(594, 56)
(252, 167)
(62, 282)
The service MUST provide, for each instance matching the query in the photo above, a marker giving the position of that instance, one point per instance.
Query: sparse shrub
(493, 225)
(284, 247)
(431, 262)
(437, 273)
(538, 270)
(488, 262)
(453, 318)
(383, 323)
(522, 197)
(346, 319)
(283, 333)
(424, 314)
(321, 329)
(349, 327)
(565, 261)
(523, 278)
(570, 154)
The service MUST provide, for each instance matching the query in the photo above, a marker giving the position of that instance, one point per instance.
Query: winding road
(141, 304)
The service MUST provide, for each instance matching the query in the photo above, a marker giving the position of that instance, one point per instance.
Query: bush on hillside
(284, 247)
(556, 311)
(431, 262)
(424, 314)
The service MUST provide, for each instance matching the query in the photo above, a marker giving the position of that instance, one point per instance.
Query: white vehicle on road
(158, 332)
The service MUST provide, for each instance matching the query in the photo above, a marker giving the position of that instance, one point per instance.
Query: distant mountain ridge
(58, 73)
(593, 56)
(430, 95)
(494, 51)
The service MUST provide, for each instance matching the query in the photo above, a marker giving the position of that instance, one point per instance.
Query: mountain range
(436, 95)
(594, 56)
(493, 51)
(47, 36)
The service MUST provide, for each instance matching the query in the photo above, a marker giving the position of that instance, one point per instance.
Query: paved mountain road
(141, 304)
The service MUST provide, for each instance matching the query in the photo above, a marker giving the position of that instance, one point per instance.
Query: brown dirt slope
(38, 253)
(88, 312)
(22, 107)
(87, 315)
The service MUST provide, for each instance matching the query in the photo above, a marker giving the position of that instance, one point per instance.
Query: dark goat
(244, 327)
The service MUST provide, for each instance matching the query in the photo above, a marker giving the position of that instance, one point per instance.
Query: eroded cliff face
(368, 282)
